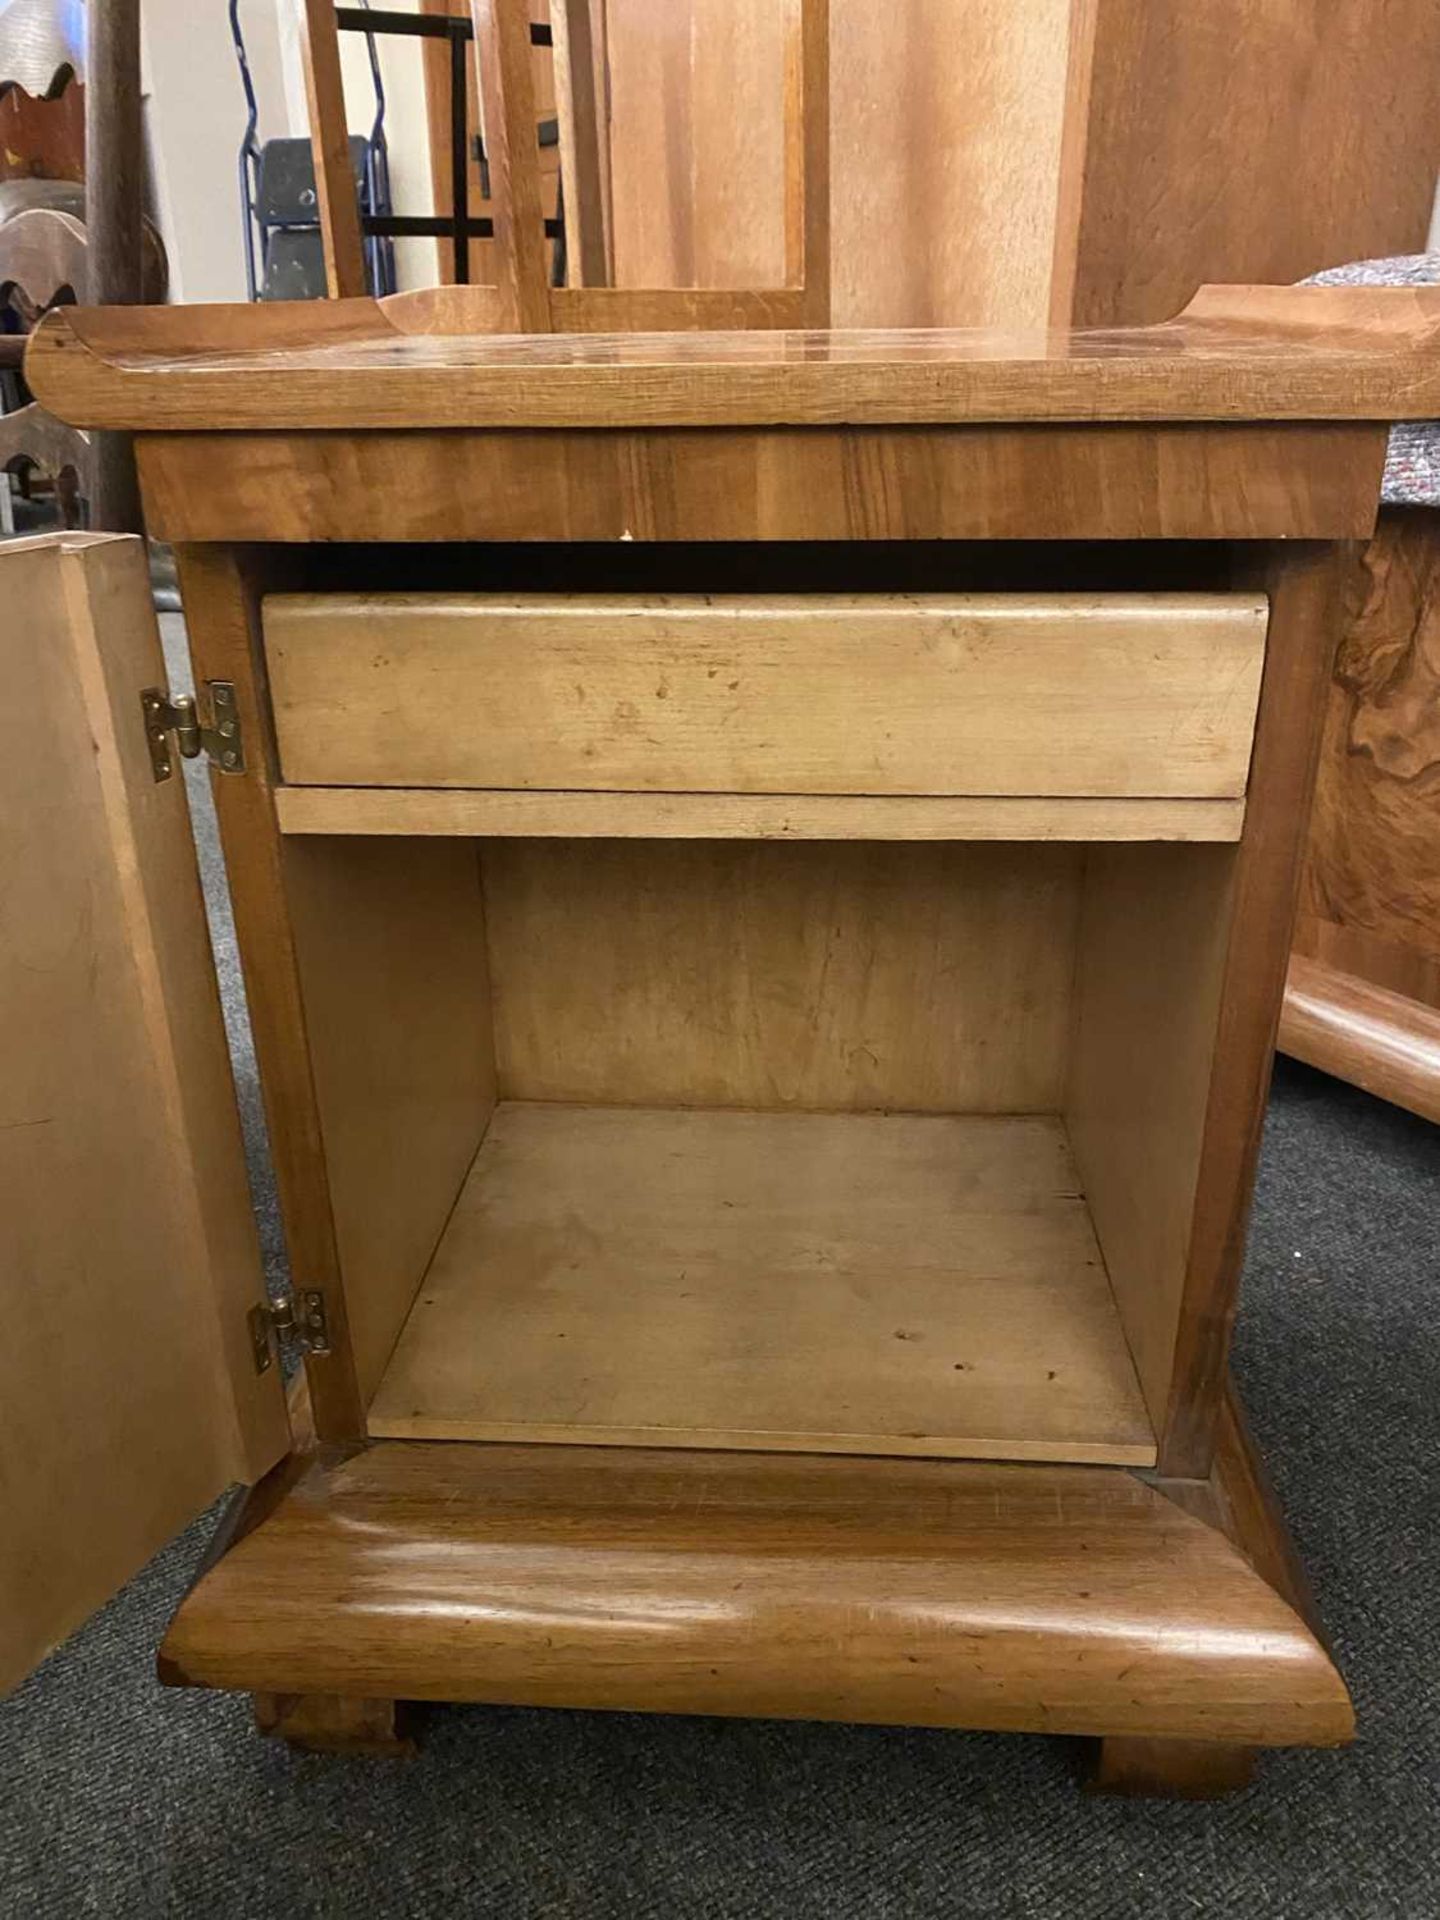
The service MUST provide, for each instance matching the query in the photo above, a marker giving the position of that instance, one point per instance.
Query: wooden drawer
(1138, 695)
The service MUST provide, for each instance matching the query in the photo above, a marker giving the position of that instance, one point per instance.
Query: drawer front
(1137, 695)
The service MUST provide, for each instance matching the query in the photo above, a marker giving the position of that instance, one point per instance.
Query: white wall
(195, 115)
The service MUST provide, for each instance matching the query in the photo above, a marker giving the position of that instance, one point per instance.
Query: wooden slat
(753, 816)
(897, 1591)
(1146, 696)
(330, 144)
(807, 155)
(926, 978)
(826, 1282)
(517, 205)
(578, 30)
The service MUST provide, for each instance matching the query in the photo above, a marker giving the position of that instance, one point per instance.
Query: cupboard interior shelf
(522, 814)
(822, 1145)
(858, 1283)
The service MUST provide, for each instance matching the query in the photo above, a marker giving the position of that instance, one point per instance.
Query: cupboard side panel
(390, 946)
(1154, 923)
(220, 589)
(831, 976)
(1310, 586)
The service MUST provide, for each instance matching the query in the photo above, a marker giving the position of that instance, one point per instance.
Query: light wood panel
(860, 484)
(947, 122)
(763, 816)
(128, 1256)
(1154, 928)
(925, 977)
(1141, 695)
(1045, 1599)
(390, 944)
(1200, 118)
(692, 207)
(833, 1282)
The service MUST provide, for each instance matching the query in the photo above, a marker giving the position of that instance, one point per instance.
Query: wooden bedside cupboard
(763, 865)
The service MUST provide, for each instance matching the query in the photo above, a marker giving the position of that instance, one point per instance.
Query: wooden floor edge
(1376, 1039)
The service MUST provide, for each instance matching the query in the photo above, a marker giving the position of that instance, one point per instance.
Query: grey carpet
(120, 1799)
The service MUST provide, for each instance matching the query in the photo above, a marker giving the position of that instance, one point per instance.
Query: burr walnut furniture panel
(1363, 999)
(916, 694)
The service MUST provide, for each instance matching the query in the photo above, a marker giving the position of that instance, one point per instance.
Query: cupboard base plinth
(967, 1594)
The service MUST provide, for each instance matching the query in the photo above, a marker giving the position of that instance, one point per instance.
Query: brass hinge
(295, 1317)
(221, 739)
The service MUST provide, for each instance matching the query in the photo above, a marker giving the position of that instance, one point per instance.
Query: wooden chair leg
(334, 1723)
(1171, 1769)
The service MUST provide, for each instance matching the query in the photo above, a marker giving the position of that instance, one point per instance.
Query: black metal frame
(457, 226)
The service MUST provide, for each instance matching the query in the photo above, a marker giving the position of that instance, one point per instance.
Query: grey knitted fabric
(1412, 470)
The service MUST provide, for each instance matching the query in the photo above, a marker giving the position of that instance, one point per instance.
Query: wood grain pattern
(1139, 695)
(946, 131)
(1054, 1599)
(1154, 929)
(692, 208)
(221, 589)
(926, 978)
(714, 484)
(1385, 1042)
(390, 949)
(578, 29)
(763, 816)
(807, 155)
(1199, 113)
(128, 1255)
(841, 1283)
(1307, 587)
(1242, 354)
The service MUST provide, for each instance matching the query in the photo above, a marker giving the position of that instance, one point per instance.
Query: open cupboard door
(129, 1261)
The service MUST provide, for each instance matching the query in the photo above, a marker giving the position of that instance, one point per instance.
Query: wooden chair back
(522, 299)
(527, 300)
